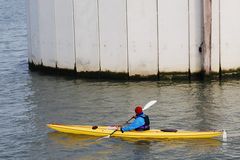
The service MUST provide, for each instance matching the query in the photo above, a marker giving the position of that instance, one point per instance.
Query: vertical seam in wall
(157, 41)
(189, 42)
(210, 56)
(127, 37)
(74, 36)
(99, 42)
(219, 41)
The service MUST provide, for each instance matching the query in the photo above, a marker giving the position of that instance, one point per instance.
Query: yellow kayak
(149, 134)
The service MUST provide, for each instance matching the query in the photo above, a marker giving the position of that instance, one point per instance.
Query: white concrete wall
(196, 34)
(28, 14)
(33, 31)
(65, 45)
(87, 35)
(133, 36)
(215, 63)
(47, 37)
(230, 34)
(113, 35)
(173, 35)
(27, 3)
(142, 37)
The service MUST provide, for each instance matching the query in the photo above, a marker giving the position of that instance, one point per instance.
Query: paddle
(148, 105)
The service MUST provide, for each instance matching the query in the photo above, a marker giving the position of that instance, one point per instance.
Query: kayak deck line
(149, 134)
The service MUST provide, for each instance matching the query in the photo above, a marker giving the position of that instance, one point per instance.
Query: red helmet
(138, 110)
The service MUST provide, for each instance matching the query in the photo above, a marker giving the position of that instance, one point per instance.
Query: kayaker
(141, 122)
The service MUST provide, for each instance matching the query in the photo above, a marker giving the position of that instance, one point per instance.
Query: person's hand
(134, 117)
(118, 127)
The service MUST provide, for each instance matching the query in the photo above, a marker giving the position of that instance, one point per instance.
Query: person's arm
(138, 122)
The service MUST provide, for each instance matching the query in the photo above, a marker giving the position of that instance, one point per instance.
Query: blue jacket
(138, 122)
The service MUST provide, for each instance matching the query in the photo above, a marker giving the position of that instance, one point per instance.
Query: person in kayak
(141, 122)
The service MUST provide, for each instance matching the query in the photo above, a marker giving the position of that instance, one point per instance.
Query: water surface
(31, 100)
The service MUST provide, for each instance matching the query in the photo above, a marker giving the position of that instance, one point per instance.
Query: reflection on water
(72, 140)
(205, 106)
(137, 147)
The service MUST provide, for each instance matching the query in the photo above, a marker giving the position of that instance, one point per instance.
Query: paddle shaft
(112, 132)
(129, 120)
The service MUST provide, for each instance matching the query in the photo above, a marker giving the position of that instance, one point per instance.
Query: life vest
(146, 125)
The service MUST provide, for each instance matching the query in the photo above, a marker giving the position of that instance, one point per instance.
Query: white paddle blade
(108, 136)
(149, 104)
